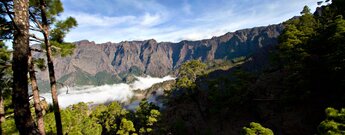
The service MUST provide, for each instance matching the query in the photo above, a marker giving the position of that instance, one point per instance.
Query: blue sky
(173, 20)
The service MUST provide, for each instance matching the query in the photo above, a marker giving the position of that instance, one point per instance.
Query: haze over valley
(121, 92)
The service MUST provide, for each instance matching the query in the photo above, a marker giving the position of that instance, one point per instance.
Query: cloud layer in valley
(173, 20)
(100, 94)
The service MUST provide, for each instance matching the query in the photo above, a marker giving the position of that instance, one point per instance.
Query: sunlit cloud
(90, 20)
(150, 20)
(106, 93)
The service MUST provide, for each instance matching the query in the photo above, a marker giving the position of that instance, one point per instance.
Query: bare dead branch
(64, 86)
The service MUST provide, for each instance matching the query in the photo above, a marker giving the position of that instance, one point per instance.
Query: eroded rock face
(159, 59)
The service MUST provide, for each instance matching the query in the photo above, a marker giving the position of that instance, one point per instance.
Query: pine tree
(126, 127)
(43, 13)
(6, 33)
(188, 72)
(20, 97)
(36, 97)
(146, 116)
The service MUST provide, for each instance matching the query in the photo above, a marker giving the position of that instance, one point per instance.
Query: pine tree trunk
(53, 88)
(36, 96)
(51, 68)
(20, 96)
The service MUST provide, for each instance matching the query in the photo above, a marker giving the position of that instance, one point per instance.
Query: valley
(172, 67)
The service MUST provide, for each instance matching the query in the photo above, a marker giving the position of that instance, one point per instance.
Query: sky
(173, 20)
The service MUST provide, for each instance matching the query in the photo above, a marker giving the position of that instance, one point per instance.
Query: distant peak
(151, 41)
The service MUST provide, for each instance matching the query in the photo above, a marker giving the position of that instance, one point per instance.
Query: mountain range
(106, 63)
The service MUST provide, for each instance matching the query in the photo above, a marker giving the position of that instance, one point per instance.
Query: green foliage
(9, 127)
(296, 35)
(40, 63)
(126, 127)
(82, 78)
(129, 76)
(312, 49)
(5, 78)
(232, 91)
(75, 121)
(256, 129)
(146, 116)
(61, 28)
(306, 10)
(221, 64)
(4, 55)
(188, 73)
(54, 8)
(57, 35)
(109, 117)
(105, 78)
(63, 49)
(334, 123)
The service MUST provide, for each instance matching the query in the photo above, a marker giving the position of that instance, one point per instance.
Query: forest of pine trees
(301, 92)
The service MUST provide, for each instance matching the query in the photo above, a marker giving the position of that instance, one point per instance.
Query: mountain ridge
(158, 59)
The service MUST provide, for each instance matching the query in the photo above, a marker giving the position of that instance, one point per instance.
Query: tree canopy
(188, 72)
(334, 123)
(256, 129)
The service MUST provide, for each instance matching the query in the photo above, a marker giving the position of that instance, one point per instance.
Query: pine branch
(6, 12)
(36, 38)
(31, 96)
(35, 29)
(33, 18)
(10, 15)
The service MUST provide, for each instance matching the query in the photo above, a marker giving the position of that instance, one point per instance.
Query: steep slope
(157, 59)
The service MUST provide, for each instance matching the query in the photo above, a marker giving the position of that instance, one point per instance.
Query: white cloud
(168, 25)
(146, 82)
(151, 20)
(89, 20)
(100, 94)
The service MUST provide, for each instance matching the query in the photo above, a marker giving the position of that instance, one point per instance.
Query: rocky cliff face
(115, 60)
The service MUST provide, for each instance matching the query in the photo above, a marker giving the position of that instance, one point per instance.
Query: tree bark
(20, 96)
(36, 96)
(51, 68)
